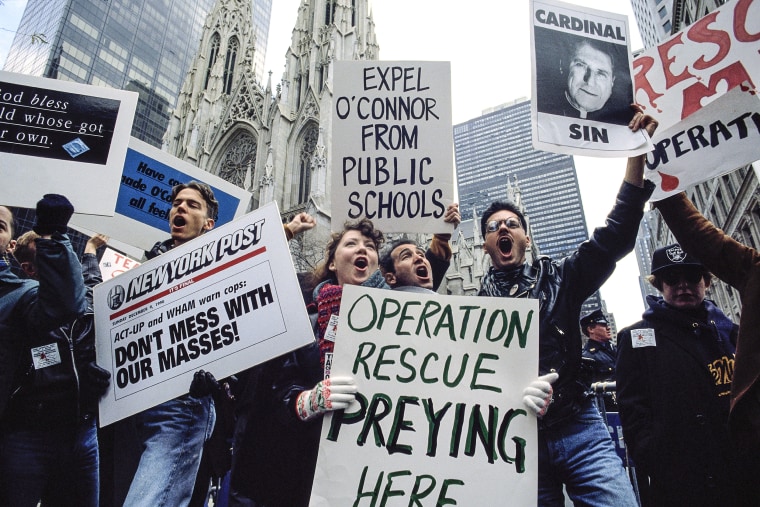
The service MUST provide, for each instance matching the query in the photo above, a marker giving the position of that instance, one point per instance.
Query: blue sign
(146, 189)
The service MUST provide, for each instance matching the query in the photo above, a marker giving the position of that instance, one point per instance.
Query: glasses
(511, 223)
(674, 277)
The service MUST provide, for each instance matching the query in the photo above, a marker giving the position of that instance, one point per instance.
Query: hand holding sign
(330, 394)
(53, 214)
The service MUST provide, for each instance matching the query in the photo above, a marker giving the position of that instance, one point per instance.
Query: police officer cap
(672, 256)
(595, 317)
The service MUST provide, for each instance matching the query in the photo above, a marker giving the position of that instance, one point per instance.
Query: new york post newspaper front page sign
(582, 82)
(63, 138)
(148, 174)
(392, 145)
(439, 418)
(223, 302)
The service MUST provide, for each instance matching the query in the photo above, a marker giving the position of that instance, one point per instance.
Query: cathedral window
(212, 55)
(308, 146)
(239, 156)
(330, 11)
(229, 64)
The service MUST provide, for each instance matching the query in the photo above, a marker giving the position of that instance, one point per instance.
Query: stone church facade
(274, 142)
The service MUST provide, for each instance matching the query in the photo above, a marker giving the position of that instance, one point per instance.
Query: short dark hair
(594, 44)
(212, 205)
(497, 206)
(386, 261)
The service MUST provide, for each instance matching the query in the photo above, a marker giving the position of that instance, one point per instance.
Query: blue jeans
(172, 435)
(58, 465)
(580, 454)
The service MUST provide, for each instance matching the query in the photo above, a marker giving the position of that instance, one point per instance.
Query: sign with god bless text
(144, 199)
(223, 302)
(392, 145)
(582, 84)
(439, 418)
(63, 138)
(698, 64)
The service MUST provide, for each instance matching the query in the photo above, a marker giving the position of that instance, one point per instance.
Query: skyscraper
(495, 160)
(142, 45)
(654, 19)
(494, 151)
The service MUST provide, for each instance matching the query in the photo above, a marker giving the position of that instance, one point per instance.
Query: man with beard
(575, 448)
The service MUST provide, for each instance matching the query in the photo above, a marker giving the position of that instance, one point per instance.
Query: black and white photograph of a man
(580, 77)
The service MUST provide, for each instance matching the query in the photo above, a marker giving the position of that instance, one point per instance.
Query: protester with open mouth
(575, 449)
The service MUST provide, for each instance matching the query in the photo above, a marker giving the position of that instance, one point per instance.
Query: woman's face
(355, 259)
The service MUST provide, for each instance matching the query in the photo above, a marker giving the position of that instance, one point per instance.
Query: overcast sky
(488, 45)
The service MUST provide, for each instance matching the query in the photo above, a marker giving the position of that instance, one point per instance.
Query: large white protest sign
(705, 60)
(392, 145)
(223, 302)
(63, 138)
(144, 197)
(439, 418)
(582, 85)
(718, 138)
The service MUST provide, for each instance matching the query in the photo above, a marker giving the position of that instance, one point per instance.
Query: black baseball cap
(673, 256)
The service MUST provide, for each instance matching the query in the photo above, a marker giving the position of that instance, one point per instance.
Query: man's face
(188, 217)
(507, 244)
(589, 79)
(599, 332)
(412, 268)
(683, 288)
(6, 233)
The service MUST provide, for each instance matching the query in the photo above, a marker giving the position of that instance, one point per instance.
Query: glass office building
(145, 46)
(493, 151)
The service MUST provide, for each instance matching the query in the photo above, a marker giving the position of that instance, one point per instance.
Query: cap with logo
(673, 256)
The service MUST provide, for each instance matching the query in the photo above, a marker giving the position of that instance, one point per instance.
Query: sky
(488, 45)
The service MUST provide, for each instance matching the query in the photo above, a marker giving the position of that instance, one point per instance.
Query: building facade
(654, 19)
(145, 46)
(271, 140)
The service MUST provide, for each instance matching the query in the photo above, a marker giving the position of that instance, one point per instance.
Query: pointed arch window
(353, 12)
(329, 11)
(229, 63)
(240, 157)
(213, 53)
(308, 146)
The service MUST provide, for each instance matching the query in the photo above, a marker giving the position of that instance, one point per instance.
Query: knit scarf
(499, 283)
(328, 296)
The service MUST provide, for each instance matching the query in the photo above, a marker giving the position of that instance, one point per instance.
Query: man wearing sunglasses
(674, 374)
(574, 446)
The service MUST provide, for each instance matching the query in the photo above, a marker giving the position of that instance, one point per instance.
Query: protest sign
(711, 56)
(582, 84)
(112, 264)
(439, 417)
(63, 138)
(392, 145)
(718, 138)
(144, 199)
(223, 302)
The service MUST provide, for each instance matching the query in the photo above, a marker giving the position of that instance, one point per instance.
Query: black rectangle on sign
(54, 124)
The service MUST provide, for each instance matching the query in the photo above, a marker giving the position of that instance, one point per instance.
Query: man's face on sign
(590, 79)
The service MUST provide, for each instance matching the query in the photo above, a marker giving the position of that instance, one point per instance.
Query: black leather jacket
(561, 286)
(56, 394)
